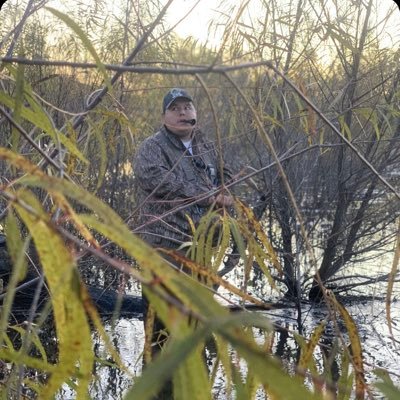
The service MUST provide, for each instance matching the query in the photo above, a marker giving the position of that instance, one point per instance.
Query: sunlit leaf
(63, 281)
(85, 40)
(355, 343)
(38, 117)
(307, 351)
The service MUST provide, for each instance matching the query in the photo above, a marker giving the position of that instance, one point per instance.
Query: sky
(196, 24)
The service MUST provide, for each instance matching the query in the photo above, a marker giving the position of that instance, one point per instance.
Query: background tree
(349, 92)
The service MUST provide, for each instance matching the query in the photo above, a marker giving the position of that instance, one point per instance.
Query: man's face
(177, 117)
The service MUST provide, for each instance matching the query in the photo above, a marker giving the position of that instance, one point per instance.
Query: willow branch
(25, 134)
(216, 69)
(119, 265)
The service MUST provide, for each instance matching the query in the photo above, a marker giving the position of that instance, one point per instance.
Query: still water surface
(379, 349)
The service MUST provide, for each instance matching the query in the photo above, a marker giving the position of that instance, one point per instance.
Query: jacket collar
(175, 140)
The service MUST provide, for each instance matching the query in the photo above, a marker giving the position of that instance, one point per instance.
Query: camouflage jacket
(169, 179)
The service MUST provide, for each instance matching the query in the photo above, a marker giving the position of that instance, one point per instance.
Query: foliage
(68, 185)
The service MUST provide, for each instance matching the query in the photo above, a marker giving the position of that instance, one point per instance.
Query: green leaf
(69, 314)
(356, 349)
(191, 378)
(344, 127)
(223, 352)
(85, 40)
(241, 390)
(18, 358)
(345, 381)
(16, 248)
(98, 131)
(238, 239)
(341, 36)
(177, 351)
(386, 386)
(19, 99)
(161, 370)
(370, 115)
(307, 351)
(390, 391)
(39, 118)
(224, 244)
(32, 337)
(251, 384)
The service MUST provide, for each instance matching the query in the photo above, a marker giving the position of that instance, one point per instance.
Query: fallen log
(107, 301)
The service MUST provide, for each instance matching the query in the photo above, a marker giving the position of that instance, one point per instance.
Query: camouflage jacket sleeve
(158, 177)
(227, 173)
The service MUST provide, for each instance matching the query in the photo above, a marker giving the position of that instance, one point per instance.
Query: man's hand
(222, 200)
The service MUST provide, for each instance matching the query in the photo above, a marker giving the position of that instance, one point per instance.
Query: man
(176, 171)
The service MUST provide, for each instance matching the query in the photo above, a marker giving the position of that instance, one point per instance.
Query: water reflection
(379, 350)
(126, 334)
(112, 382)
(128, 338)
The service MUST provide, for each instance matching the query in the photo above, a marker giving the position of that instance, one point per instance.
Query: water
(380, 351)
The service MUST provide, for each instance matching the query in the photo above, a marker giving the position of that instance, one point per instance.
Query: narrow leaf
(60, 271)
(85, 40)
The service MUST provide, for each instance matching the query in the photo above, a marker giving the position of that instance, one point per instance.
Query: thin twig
(22, 131)
(223, 70)
(119, 265)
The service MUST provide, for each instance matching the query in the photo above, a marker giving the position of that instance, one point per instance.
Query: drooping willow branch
(25, 134)
(204, 70)
(117, 264)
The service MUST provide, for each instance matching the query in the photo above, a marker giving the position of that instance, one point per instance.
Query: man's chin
(181, 130)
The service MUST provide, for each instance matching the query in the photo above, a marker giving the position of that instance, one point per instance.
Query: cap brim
(177, 98)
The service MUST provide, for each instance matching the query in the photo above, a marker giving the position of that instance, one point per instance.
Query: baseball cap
(174, 94)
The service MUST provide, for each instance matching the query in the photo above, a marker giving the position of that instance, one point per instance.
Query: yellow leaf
(355, 343)
(75, 350)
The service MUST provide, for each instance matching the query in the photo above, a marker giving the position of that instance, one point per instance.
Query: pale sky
(196, 24)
